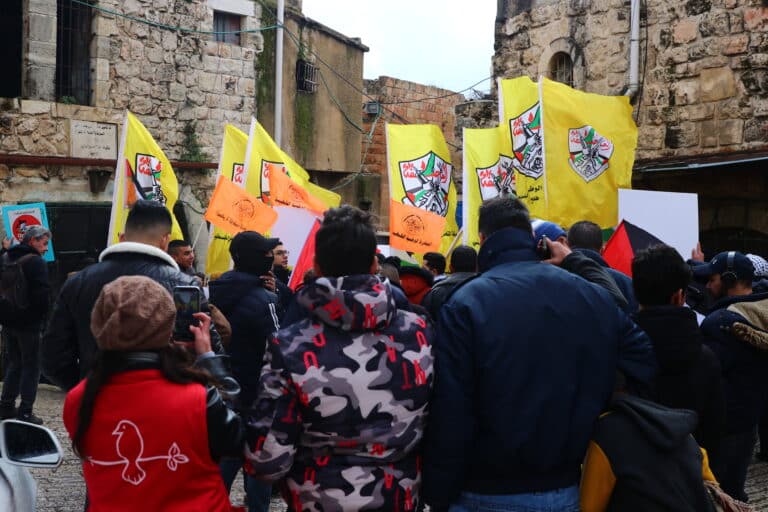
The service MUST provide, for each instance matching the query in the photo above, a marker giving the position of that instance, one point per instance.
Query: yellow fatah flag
(488, 173)
(232, 166)
(520, 114)
(142, 172)
(590, 143)
(421, 174)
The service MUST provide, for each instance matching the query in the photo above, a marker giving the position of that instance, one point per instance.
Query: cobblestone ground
(62, 489)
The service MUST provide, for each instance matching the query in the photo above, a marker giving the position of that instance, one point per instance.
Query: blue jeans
(559, 500)
(257, 493)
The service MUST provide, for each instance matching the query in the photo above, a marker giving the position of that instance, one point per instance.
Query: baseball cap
(544, 227)
(741, 266)
(249, 243)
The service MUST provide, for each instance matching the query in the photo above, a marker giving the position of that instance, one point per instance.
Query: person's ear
(678, 298)
(164, 241)
(121, 237)
(483, 238)
(374, 266)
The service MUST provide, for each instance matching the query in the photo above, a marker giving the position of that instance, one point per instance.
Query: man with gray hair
(23, 315)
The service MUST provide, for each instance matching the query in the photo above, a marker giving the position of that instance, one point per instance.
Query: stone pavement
(62, 489)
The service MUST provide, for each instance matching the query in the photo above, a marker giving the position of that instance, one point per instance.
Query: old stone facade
(703, 95)
(391, 100)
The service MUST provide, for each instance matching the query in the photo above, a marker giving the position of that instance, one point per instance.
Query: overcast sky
(446, 43)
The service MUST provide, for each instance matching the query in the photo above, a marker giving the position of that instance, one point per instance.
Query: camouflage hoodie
(342, 400)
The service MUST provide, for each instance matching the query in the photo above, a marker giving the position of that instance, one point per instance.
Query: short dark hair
(464, 259)
(435, 261)
(657, 273)
(585, 235)
(345, 244)
(503, 212)
(175, 245)
(146, 216)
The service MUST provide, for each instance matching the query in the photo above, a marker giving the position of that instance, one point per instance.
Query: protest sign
(18, 218)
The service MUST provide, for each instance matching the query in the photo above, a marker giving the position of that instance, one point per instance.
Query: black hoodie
(689, 375)
(652, 459)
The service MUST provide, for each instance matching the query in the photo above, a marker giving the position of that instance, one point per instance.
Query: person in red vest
(149, 425)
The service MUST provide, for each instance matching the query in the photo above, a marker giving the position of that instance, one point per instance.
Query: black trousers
(21, 360)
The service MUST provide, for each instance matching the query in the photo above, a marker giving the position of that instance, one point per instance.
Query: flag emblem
(238, 174)
(590, 152)
(527, 142)
(414, 226)
(426, 181)
(266, 168)
(498, 179)
(146, 177)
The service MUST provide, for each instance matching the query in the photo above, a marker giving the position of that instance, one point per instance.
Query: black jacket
(69, 348)
(38, 291)
(252, 313)
(442, 289)
(526, 358)
(689, 374)
(655, 461)
(623, 281)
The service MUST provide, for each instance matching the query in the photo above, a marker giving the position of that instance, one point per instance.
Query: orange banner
(413, 229)
(283, 191)
(234, 210)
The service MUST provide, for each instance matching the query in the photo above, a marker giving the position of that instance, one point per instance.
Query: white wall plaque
(92, 140)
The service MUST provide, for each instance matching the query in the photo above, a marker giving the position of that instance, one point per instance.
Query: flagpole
(199, 231)
(118, 182)
(543, 144)
(464, 189)
(279, 73)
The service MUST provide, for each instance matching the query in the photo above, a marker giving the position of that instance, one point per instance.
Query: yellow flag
(265, 156)
(231, 165)
(142, 172)
(520, 114)
(420, 173)
(590, 143)
(488, 172)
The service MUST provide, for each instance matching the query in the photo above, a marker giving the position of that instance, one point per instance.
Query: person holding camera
(149, 424)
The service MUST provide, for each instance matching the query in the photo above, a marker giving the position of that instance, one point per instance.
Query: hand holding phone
(542, 248)
(187, 300)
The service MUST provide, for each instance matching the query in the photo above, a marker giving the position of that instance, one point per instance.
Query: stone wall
(703, 65)
(437, 106)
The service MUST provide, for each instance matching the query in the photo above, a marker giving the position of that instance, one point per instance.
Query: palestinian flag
(627, 241)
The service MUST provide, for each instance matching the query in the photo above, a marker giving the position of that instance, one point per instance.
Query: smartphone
(542, 249)
(187, 301)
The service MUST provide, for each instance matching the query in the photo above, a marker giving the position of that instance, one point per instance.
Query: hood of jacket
(17, 251)
(416, 282)
(754, 327)
(350, 303)
(506, 245)
(674, 332)
(138, 248)
(228, 291)
(454, 279)
(663, 427)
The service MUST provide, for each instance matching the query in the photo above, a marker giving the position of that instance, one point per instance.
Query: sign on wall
(19, 218)
(92, 140)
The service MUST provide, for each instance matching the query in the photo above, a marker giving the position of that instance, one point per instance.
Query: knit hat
(133, 313)
(543, 228)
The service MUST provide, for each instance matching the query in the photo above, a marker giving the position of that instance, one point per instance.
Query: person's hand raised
(557, 252)
(697, 254)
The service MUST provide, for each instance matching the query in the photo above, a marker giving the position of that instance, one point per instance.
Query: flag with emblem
(488, 173)
(142, 172)
(589, 153)
(231, 165)
(421, 176)
(520, 114)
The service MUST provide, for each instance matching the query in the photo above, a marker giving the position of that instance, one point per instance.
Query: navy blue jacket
(526, 359)
(252, 312)
(623, 281)
(743, 355)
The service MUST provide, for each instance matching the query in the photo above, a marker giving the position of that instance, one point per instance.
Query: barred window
(73, 53)
(225, 24)
(306, 76)
(561, 68)
(11, 23)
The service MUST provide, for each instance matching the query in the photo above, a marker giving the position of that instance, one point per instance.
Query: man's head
(554, 232)
(281, 256)
(435, 263)
(37, 237)
(660, 277)
(148, 222)
(500, 213)
(252, 252)
(585, 235)
(345, 244)
(181, 251)
(729, 274)
(463, 259)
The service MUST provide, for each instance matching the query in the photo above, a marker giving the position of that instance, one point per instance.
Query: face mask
(258, 265)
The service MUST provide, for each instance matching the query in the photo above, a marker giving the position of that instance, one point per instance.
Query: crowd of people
(526, 376)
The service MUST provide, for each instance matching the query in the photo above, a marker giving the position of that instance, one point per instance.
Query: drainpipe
(634, 50)
(279, 73)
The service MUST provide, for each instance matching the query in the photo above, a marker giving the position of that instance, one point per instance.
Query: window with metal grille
(561, 68)
(11, 23)
(306, 76)
(226, 26)
(73, 54)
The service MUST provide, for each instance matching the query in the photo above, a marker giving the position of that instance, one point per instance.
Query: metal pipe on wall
(278, 135)
(634, 50)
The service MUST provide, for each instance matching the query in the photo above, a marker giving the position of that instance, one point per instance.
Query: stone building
(185, 68)
(702, 108)
(391, 100)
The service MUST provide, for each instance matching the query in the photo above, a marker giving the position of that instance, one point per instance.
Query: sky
(446, 43)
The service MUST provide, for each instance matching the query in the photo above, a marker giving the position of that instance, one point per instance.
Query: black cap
(247, 244)
(734, 261)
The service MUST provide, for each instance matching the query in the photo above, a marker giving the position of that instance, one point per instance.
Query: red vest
(147, 446)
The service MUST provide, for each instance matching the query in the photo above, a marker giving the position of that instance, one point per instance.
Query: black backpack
(13, 283)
